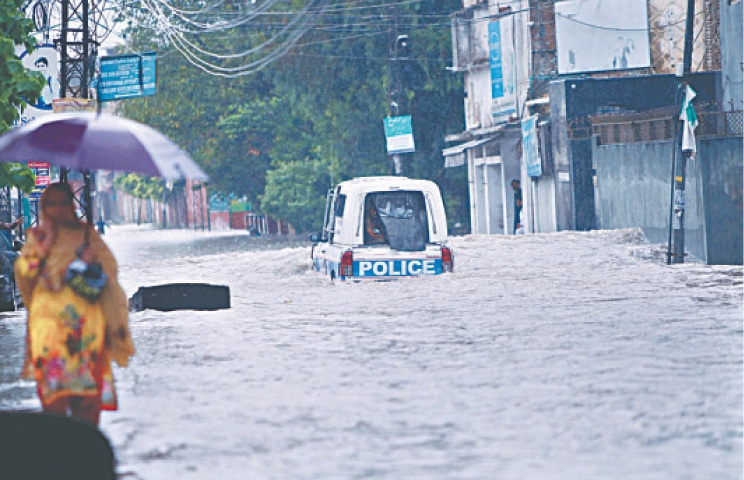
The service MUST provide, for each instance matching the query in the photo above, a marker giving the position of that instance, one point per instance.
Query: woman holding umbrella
(77, 311)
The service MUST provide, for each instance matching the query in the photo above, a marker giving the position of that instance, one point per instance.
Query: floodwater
(574, 355)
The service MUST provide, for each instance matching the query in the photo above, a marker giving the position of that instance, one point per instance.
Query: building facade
(563, 64)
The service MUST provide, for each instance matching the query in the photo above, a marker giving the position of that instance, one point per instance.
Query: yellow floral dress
(71, 341)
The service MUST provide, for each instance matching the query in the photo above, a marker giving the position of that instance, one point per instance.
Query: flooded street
(572, 355)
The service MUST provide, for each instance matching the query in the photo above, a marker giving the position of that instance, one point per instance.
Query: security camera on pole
(398, 128)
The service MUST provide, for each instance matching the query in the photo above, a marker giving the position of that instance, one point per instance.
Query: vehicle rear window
(404, 216)
(338, 208)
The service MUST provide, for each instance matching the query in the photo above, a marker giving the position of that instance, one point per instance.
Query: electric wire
(228, 38)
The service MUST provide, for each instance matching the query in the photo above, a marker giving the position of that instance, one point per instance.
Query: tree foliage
(18, 86)
(283, 136)
(139, 186)
(292, 189)
(17, 175)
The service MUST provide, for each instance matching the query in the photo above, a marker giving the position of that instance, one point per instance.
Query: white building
(511, 52)
(491, 47)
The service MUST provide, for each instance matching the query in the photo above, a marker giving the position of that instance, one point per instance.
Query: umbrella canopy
(88, 141)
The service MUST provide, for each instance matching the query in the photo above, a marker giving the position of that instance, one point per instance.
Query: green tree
(203, 114)
(338, 92)
(141, 188)
(18, 86)
(290, 194)
(322, 104)
(17, 175)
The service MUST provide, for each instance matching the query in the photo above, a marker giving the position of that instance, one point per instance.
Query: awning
(455, 156)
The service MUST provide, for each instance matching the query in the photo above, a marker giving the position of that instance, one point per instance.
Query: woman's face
(58, 209)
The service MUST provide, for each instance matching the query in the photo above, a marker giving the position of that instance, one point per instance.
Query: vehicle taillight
(346, 269)
(448, 262)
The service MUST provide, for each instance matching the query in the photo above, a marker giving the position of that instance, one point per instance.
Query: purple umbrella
(87, 141)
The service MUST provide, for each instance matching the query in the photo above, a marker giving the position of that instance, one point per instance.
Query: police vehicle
(381, 228)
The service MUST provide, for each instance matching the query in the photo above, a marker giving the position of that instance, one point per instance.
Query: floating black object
(40, 446)
(180, 296)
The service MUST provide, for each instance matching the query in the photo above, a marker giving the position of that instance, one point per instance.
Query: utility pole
(77, 53)
(393, 89)
(400, 51)
(680, 168)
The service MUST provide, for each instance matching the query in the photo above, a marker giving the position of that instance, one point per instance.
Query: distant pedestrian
(7, 229)
(10, 226)
(77, 317)
(517, 204)
(101, 226)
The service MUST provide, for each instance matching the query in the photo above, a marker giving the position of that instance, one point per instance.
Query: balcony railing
(658, 125)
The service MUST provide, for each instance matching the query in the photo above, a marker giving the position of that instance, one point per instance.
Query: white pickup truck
(381, 228)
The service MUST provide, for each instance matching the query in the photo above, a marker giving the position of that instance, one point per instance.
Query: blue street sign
(127, 76)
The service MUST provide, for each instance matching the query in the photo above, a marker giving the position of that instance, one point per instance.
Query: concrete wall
(722, 172)
(561, 152)
(573, 100)
(731, 54)
(634, 184)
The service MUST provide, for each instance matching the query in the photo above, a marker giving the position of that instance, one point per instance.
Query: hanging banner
(530, 152)
(501, 61)
(399, 134)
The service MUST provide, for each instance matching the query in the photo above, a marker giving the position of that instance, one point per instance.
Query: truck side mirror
(315, 237)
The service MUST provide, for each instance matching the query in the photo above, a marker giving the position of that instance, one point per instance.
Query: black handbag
(85, 279)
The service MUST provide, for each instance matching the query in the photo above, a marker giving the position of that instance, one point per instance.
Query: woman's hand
(45, 235)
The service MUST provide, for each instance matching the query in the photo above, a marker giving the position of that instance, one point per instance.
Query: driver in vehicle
(374, 229)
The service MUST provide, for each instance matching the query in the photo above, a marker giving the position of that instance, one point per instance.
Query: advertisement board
(501, 62)
(45, 60)
(597, 35)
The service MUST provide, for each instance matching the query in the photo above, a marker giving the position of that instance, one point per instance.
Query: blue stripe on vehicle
(397, 268)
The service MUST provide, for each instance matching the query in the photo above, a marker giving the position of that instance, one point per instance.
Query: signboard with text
(501, 63)
(530, 153)
(218, 203)
(399, 135)
(42, 171)
(127, 76)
